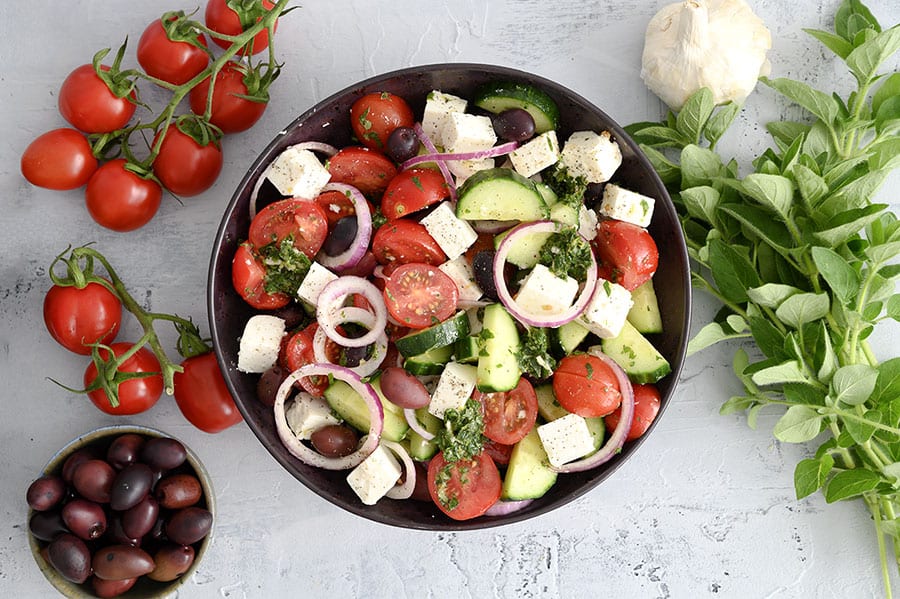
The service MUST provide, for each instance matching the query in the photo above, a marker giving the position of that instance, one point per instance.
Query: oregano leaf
(810, 474)
(854, 383)
(837, 272)
(799, 424)
(801, 308)
(694, 113)
(850, 483)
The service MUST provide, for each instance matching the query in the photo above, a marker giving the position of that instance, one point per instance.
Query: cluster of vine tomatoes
(123, 188)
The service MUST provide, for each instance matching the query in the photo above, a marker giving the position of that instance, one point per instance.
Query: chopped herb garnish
(534, 357)
(566, 254)
(462, 436)
(286, 266)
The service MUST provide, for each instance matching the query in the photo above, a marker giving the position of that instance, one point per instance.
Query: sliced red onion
(306, 454)
(617, 438)
(365, 318)
(522, 315)
(314, 146)
(405, 489)
(492, 152)
(330, 305)
(442, 165)
(415, 425)
(353, 254)
(504, 508)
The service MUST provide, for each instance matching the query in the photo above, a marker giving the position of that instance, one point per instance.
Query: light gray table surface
(706, 508)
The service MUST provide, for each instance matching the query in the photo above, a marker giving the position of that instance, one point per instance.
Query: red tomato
(230, 112)
(419, 295)
(183, 166)
(89, 105)
(412, 190)
(646, 407)
(374, 116)
(464, 489)
(59, 159)
(175, 62)
(336, 206)
(404, 241)
(626, 253)
(509, 415)
(499, 452)
(296, 351)
(368, 170)
(119, 199)
(202, 395)
(303, 220)
(223, 19)
(586, 385)
(136, 395)
(248, 275)
(77, 317)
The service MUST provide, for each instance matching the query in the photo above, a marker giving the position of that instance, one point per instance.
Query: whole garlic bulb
(719, 44)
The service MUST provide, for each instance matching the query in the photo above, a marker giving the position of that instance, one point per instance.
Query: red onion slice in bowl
(501, 150)
(405, 489)
(353, 254)
(415, 425)
(367, 319)
(330, 305)
(429, 145)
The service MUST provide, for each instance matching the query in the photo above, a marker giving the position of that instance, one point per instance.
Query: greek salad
(473, 300)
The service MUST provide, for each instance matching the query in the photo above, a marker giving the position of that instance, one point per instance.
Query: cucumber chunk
(500, 194)
(439, 335)
(420, 449)
(644, 313)
(529, 474)
(351, 408)
(525, 250)
(548, 406)
(636, 355)
(501, 95)
(498, 366)
(565, 338)
(430, 362)
(465, 350)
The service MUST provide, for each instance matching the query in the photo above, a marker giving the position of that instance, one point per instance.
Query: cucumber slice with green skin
(564, 214)
(644, 313)
(429, 363)
(525, 251)
(529, 474)
(466, 350)
(351, 408)
(636, 355)
(502, 95)
(498, 366)
(566, 338)
(550, 197)
(421, 449)
(500, 194)
(439, 335)
(548, 406)
(598, 430)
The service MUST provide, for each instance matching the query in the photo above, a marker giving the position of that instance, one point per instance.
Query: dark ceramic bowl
(329, 121)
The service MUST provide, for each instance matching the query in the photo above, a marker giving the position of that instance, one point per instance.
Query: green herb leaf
(802, 308)
(851, 483)
(810, 474)
(719, 122)
(771, 295)
(772, 191)
(837, 272)
(761, 223)
(732, 271)
(693, 115)
(889, 88)
(865, 59)
(833, 42)
(854, 383)
(699, 166)
(798, 425)
(786, 372)
(816, 102)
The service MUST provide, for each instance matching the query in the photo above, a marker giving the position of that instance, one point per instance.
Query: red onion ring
(493, 152)
(330, 305)
(531, 319)
(504, 508)
(307, 455)
(314, 146)
(365, 318)
(429, 145)
(404, 490)
(353, 254)
(415, 425)
(617, 438)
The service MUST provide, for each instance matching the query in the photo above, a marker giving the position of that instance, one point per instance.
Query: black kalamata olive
(515, 124)
(71, 557)
(402, 144)
(130, 486)
(334, 440)
(483, 266)
(118, 562)
(163, 453)
(268, 383)
(124, 450)
(45, 492)
(341, 236)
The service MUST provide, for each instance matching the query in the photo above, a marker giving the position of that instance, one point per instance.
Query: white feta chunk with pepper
(453, 234)
(307, 414)
(260, 343)
(607, 310)
(544, 293)
(438, 106)
(566, 439)
(594, 156)
(465, 132)
(315, 280)
(536, 155)
(587, 222)
(298, 173)
(375, 476)
(463, 275)
(623, 204)
(453, 389)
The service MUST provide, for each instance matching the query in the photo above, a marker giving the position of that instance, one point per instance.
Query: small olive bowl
(329, 122)
(99, 440)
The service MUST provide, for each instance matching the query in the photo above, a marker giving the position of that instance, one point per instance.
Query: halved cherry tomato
(412, 190)
(202, 395)
(86, 101)
(185, 167)
(296, 351)
(404, 241)
(374, 116)
(646, 407)
(464, 489)
(303, 220)
(336, 206)
(77, 317)
(626, 253)
(175, 62)
(368, 170)
(499, 452)
(248, 275)
(509, 415)
(59, 159)
(419, 295)
(137, 394)
(586, 385)
(221, 18)
(119, 199)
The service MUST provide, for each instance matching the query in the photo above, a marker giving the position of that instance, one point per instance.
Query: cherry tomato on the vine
(86, 101)
(230, 112)
(185, 167)
(137, 394)
(119, 199)
(59, 159)
(77, 317)
(202, 395)
(223, 19)
(375, 115)
(173, 61)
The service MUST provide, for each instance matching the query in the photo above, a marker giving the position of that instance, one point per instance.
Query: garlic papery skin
(718, 44)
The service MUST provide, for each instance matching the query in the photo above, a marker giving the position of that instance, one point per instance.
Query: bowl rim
(266, 155)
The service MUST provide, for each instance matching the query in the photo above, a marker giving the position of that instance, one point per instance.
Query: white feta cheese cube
(536, 155)
(565, 439)
(544, 293)
(298, 173)
(453, 234)
(375, 476)
(307, 414)
(627, 205)
(260, 343)
(463, 275)
(468, 132)
(608, 309)
(313, 283)
(592, 156)
(438, 106)
(587, 222)
(453, 388)
(463, 169)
